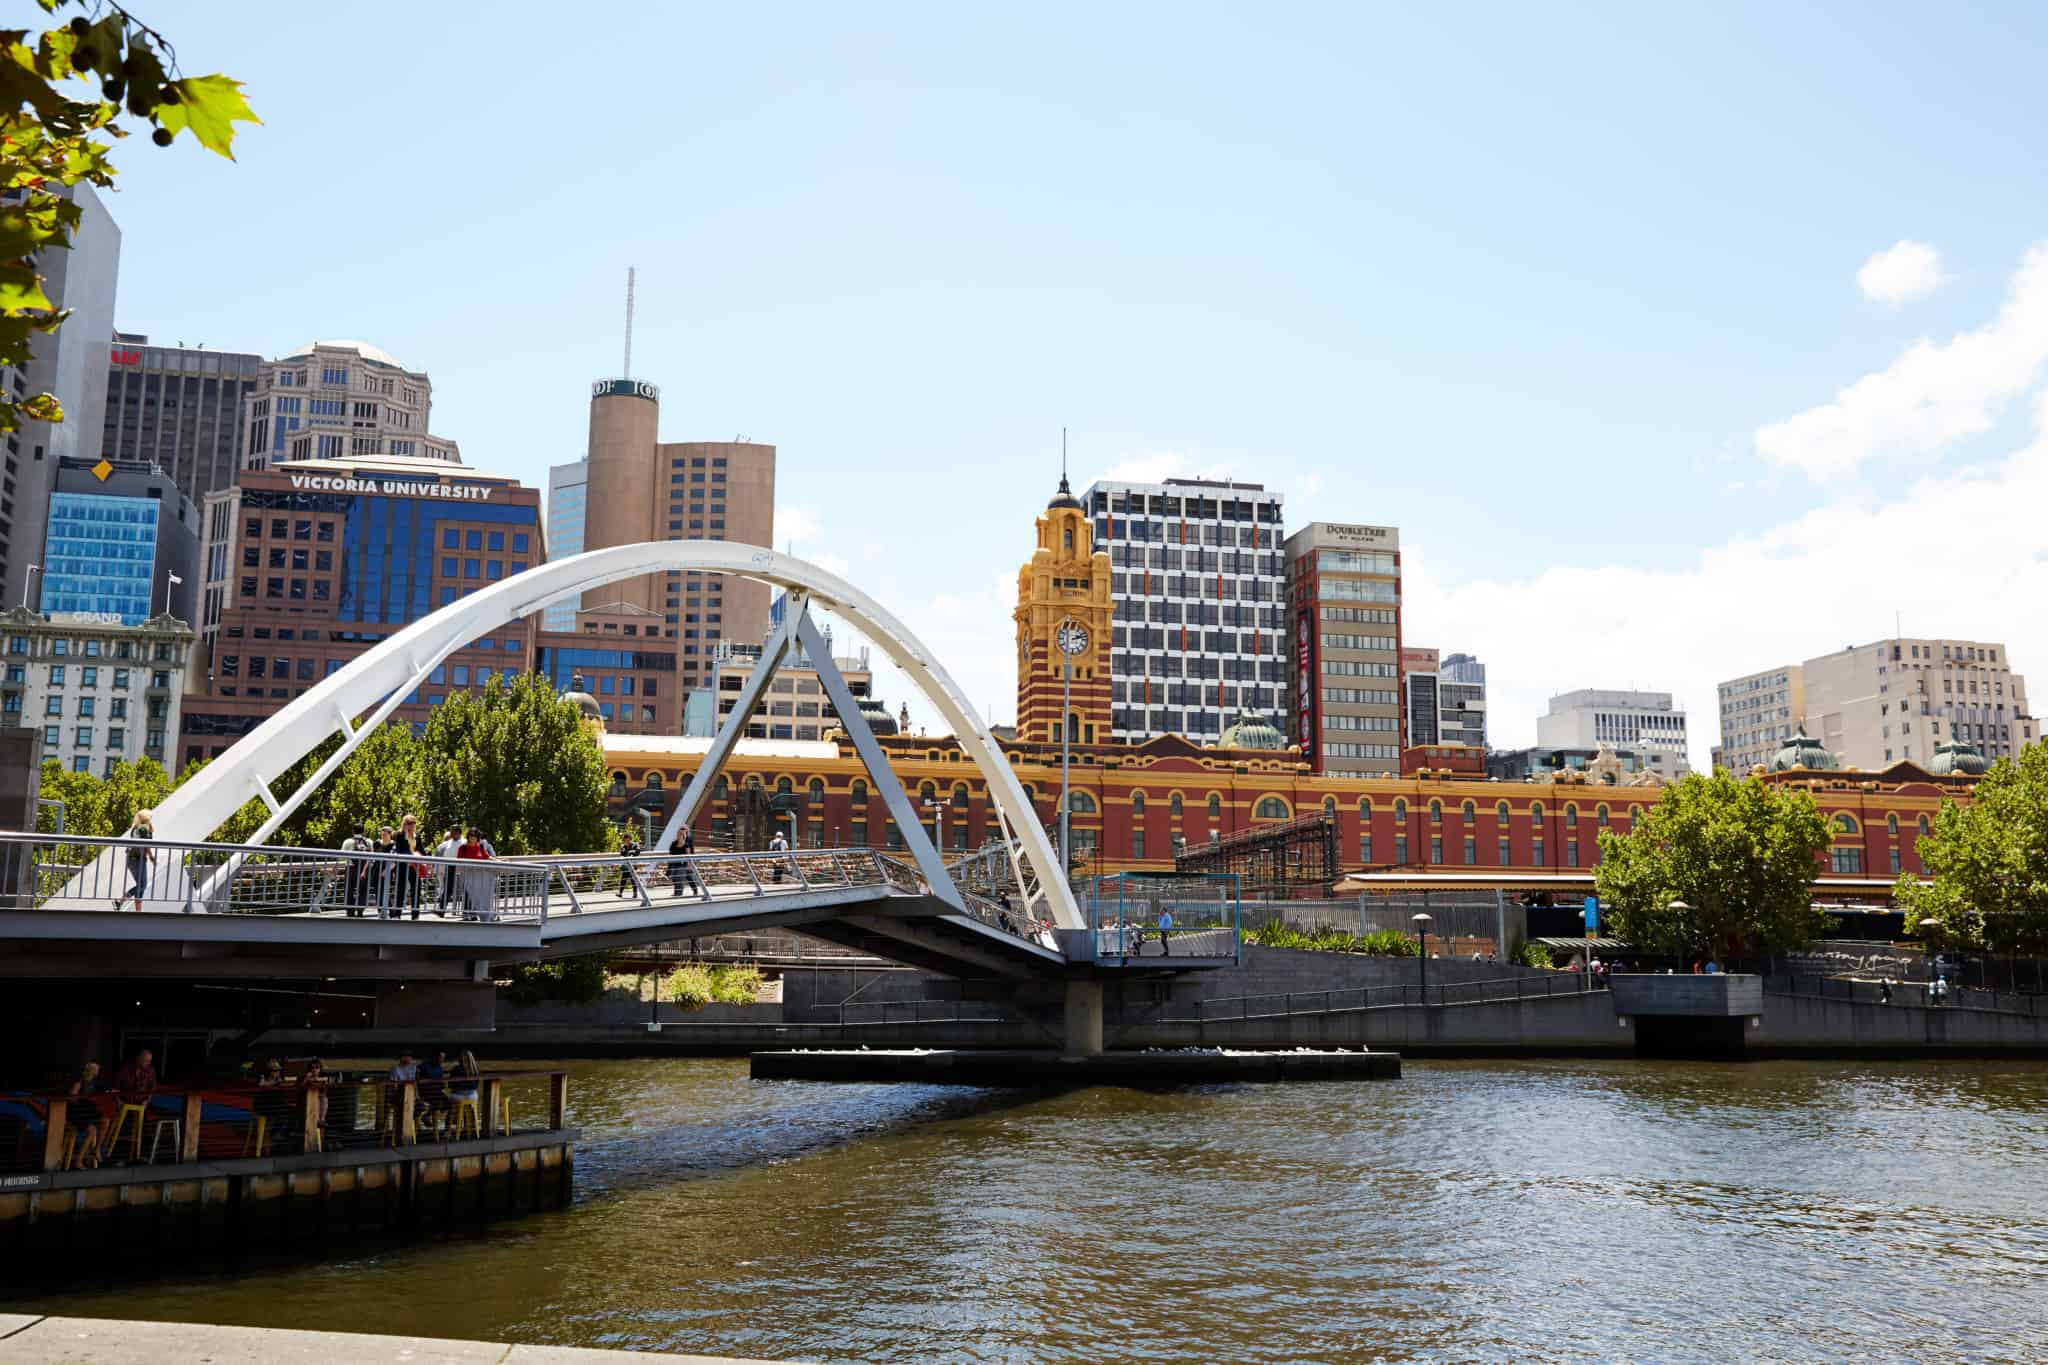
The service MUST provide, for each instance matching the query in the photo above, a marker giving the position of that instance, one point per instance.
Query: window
(1137, 805)
(1571, 853)
(1401, 849)
(1436, 848)
(1571, 819)
(1270, 808)
(1846, 861)
(1500, 813)
(1215, 806)
(1600, 814)
(1504, 858)
(1846, 824)
(53, 706)
(84, 736)
(1174, 805)
(1891, 825)
(1080, 803)
(1471, 851)
(1436, 812)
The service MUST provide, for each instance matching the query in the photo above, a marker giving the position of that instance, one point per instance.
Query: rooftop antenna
(1063, 461)
(627, 372)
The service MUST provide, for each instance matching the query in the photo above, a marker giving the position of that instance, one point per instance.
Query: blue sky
(1536, 287)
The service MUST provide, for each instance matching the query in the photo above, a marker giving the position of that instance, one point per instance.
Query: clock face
(1072, 637)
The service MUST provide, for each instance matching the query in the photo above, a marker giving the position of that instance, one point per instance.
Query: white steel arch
(384, 676)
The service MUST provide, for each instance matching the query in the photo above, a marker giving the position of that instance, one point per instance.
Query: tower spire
(627, 372)
(1063, 461)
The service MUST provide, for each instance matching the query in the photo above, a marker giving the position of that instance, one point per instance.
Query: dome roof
(585, 704)
(361, 348)
(1250, 732)
(1064, 498)
(1956, 757)
(1803, 751)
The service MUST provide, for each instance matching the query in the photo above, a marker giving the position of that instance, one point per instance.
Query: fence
(1201, 915)
(343, 1111)
(1461, 921)
(1950, 996)
(170, 877)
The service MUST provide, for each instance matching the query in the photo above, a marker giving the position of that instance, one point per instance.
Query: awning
(1580, 945)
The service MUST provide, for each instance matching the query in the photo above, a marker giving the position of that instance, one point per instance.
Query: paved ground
(30, 1340)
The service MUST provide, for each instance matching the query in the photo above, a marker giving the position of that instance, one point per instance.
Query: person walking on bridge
(450, 845)
(778, 845)
(407, 845)
(683, 846)
(144, 827)
(357, 872)
(629, 875)
(477, 895)
(1165, 928)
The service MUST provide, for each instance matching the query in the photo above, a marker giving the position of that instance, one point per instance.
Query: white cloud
(1157, 466)
(797, 521)
(1307, 487)
(1901, 273)
(871, 551)
(1954, 555)
(1932, 396)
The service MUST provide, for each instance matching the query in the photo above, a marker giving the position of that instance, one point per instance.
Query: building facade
(1198, 588)
(1648, 724)
(1063, 595)
(639, 489)
(1901, 699)
(1344, 586)
(1759, 712)
(101, 692)
(336, 400)
(1445, 698)
(309, 564)
(177, 409)
(795, 705)
(69, 363)
(122, 540)
(567, 486)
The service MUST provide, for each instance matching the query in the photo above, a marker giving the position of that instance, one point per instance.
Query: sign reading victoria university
(1305, 691)
(403, 488)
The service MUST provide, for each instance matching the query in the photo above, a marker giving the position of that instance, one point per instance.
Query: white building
(1759, 712)
(1646, 722)
(567, 486)
(1198, 587)
(1876, 704)
(331, 400)
(101, 693)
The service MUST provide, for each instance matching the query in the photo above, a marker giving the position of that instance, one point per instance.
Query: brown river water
(1528, 1210)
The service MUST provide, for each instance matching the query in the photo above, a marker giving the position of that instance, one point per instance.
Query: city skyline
(1839, 410)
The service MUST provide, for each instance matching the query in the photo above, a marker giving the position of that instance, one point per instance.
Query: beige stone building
(333, 400)
(1873, 705)
(1344, 589)
(638, 488)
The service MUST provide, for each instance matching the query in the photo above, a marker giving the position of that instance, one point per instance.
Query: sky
(1678, 344)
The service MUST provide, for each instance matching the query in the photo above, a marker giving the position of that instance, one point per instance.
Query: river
(1530, 1210)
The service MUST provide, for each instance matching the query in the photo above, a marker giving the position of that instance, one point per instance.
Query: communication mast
(627, 371)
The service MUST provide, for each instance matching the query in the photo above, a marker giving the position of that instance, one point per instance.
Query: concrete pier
(1052, 1070)
(30, 1339)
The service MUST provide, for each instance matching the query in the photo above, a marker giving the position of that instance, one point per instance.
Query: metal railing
(1136, 917)
(43, 872)
(1925, 994)
(41, 1131)
(1280, 1004)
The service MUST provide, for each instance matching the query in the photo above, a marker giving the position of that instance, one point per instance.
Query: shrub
(1388, 943)
(694, 985)
(573, 980)
(1534, 955)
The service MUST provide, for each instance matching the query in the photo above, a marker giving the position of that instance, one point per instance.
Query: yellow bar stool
(256, 1142)
(121, 1117)
(465, 1115)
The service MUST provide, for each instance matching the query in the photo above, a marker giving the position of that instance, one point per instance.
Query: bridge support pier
(1082, 1036)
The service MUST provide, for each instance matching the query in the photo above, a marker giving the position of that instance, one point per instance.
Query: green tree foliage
(1988, 863)
(516, 761)
(54, 134)
(379, 784)
(98, 807)
(1739, 854)
(571, 980)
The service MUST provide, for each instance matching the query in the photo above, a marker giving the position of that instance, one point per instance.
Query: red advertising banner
(1308, 696)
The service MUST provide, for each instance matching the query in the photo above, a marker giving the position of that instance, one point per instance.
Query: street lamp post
(1422, 923)
(1679, 908)
(1929, 927)
(940, 818)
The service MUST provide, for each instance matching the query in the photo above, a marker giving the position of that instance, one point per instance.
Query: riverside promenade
(29, 1339)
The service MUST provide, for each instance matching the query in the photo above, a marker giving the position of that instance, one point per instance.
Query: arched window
(1137, 805)
(719, 788)
(926, 792)
(1468, 811)
(754, 781)
(1080, 803)
(1215, 806)
(1600, 814)
(959, 796)
(1270, 808)
(618, 784)
(654, 782)
(815, 792)
(1330, 806)
(784, 787)
(1571, 816)
(858, 794)
(1500, 812)
(1891, 824)
(1846, 824)
(1436, 812)
(1175, 806)
(1364, 810)
(1923, 826)
(1400, 811)
(1536, 813)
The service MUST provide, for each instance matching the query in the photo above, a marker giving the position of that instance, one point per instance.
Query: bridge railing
(1279, 1003)
(989, 910)
(602, 881)
(163, 876)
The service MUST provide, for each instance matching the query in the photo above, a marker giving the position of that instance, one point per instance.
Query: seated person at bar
(83, 1113)
(433, 1090)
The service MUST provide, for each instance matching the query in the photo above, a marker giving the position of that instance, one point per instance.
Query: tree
(53, 138)
(1988, 862)
(1739, 856)
(515, 760)
(380, 783)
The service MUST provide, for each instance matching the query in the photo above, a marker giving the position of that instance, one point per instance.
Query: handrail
(1436, 994)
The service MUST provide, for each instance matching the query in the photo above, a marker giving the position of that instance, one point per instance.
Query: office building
(1642, 723)
(1759, 712)
(1198, 592)
(334, 400)
(1900, 700)
(101, 693)
(639, 488)
(795, 706)
(1345, 592)
(178, 409)
(69, 363)
(122, 541)
(310, 563)
(1445, 698)
(1596, 764)
(634, 681)
(567, 484)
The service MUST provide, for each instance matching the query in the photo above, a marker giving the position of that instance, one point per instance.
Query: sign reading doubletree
(625, 388)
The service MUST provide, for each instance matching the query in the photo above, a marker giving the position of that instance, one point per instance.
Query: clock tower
(1063, 615)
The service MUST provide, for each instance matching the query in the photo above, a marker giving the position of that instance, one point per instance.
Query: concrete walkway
(28, 1339)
